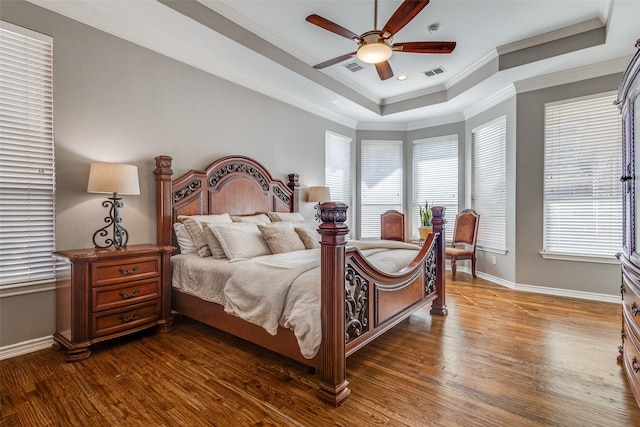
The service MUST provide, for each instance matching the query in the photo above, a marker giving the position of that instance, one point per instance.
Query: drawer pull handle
(127, 319)
(128, 272)
(634, 309)
(125, 295)
(634, 365)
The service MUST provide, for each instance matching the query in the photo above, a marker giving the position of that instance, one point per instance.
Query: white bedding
(275, 290)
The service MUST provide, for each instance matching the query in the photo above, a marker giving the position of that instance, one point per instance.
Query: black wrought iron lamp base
(119, 235)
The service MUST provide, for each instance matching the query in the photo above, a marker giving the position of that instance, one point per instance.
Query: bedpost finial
(163, 165)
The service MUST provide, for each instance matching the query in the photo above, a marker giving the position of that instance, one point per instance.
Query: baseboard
(592, 296)
(25, 347)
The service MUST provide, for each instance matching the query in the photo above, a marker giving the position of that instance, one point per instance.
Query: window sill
(601, 259)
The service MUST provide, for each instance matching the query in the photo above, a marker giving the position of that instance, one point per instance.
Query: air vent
(434, 72)
(353, 66)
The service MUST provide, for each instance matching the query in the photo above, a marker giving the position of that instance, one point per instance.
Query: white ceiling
(278, 62)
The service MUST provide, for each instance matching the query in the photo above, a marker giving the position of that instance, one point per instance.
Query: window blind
(338, 172)
(435, 178)
(582, 191)
(488, 182)
(27, 178)
(381, 183)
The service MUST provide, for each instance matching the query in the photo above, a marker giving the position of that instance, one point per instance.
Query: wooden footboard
(359, 302)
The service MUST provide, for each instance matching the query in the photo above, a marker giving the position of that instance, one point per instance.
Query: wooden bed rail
(333, 387)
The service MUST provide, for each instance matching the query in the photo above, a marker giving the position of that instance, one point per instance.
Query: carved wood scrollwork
(430, 272)
(356, 303)
(181, 194)
(278, 192)
(220, 173)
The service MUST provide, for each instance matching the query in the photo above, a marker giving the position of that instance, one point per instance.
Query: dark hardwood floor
(501, 358)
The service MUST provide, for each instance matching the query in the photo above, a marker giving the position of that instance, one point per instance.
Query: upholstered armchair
(392, 225)
(463, 246)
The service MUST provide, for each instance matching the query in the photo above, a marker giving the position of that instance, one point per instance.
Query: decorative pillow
(285, 216)
(193, 225)
(252, 219)
(310, 237)
(185, 241)
(281, 237)
(240, 240)
(212, 242)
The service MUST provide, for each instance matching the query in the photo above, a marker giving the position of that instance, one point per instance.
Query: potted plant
(425, 221)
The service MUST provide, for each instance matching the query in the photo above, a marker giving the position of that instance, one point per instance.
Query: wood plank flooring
(501, 358)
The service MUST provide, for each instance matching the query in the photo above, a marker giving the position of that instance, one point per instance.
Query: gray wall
(118, 102)
(531, 268)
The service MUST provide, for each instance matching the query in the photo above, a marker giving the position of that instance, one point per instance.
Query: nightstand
(107, 293)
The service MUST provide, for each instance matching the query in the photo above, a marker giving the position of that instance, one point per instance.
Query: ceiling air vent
(434, 72)
(353, 66)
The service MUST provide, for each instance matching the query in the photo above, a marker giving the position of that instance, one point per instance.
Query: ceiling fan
(376, 46)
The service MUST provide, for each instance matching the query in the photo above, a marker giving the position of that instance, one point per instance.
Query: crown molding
(502, 95)
(572, 75)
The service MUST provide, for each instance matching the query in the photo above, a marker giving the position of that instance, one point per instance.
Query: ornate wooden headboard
(236, 185)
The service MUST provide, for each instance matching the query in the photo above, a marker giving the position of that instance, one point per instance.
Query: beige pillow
(253, 219)
(285, 216)
(194, 227)
(281, 238)
(309, 237)
(240, 240)
(213, 243)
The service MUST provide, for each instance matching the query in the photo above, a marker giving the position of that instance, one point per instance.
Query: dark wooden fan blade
(330, 62)
(402, 16)
(384, 70)
(331, 26)
(425, 47)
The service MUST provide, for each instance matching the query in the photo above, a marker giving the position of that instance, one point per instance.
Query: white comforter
(280, 290)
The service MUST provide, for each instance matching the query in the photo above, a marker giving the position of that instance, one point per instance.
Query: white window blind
(338, 172)
(26, 157)
(381, 183)
(582, 191)
(435, 178)
(488, 182)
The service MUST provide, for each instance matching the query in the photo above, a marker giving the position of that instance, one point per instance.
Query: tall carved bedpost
(439, 305)
(333, 384)
(163, 174)
(294, 185)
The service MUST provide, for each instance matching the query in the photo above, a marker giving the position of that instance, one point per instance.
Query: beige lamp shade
(113, 178)
(319, 194)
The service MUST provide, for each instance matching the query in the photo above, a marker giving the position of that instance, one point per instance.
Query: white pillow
(194, 223)
(185, 241)
(281, 237)
(253, 219)
(285, 216)
(240, 240)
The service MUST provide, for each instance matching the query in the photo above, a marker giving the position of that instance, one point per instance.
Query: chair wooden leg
(473, 267)
(453, 268)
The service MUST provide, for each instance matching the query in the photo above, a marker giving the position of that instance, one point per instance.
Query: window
(381, 183)
(26, 157)
(582, 192)
(488, 182)
(338, 171)
(435, 178)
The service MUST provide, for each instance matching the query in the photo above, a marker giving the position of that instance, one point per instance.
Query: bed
(358, 301)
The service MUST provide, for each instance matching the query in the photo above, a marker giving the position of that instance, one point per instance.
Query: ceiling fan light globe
(374, 53)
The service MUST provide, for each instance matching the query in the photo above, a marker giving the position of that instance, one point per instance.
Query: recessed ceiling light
(402, 77)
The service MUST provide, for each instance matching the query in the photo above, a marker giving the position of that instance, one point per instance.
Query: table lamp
(319, 195)
(115, 179)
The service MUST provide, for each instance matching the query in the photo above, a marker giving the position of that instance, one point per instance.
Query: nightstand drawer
(122, 295)
(114, 321)
(117, 271)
